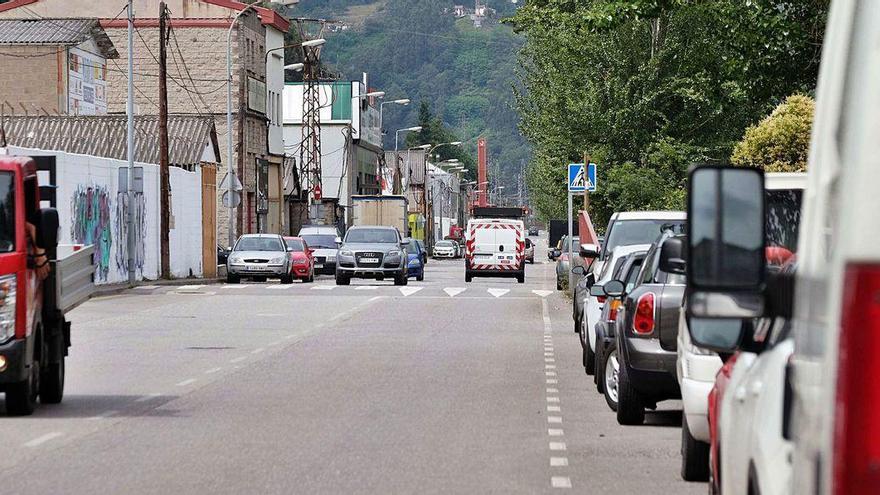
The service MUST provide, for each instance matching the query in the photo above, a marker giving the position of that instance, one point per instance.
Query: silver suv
(372, 252)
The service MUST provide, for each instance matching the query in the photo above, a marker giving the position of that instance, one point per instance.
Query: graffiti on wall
(121, 232)
(90, 206)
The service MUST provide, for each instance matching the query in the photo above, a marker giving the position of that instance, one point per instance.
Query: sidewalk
(111, 289)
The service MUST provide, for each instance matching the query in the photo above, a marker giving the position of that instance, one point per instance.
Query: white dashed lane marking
(560, 482)
(557, 446)
(148, 397)
(43, 439)
(186, 382)
(558, 461)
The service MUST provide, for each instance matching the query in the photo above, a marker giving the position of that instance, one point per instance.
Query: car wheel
(21, 397)
(421, 277)
(232, 279)
(521, 278)
(589, 355)
(52, 383)
(287, 279)
(694, 456)
(630, 408)
(400, 279)
(610, 375)
(343, 279)
(599, 376)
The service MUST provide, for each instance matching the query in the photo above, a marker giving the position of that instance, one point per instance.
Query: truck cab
(34, 336)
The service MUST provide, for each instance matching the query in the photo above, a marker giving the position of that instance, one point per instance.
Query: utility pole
(164, 181)
(586, 193)
(129, 110)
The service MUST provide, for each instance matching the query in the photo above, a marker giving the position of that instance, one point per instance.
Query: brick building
(197, 81)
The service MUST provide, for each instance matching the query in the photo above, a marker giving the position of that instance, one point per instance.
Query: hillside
(412, 49)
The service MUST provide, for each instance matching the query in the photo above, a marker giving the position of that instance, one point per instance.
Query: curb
(114, 289)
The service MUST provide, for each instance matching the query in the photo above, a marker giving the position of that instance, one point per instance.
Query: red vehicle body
(302, 259)
(721, 381)
(34, 336)
(456, 233)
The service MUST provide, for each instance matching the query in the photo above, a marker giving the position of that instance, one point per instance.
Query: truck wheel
(342, 279)
(694, 456)
(21, 398)
(630, 408)
(232, 279)
(52, 383)
(468, 277)
(521, 277)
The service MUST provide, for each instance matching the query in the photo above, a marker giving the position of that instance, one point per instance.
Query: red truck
(37, 288)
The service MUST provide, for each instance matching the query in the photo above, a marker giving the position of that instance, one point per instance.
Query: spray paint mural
(90, 206)
(121, 232)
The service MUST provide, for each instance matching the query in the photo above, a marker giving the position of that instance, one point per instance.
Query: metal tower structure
(310, 146)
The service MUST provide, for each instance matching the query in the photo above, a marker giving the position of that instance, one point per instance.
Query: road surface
(437, 387)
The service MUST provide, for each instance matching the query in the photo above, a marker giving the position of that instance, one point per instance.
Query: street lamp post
(402, 101)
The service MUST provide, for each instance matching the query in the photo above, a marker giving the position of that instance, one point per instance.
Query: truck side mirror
(48, 228)
(672, 256)
(726, 267)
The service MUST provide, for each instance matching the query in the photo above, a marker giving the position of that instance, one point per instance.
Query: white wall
(333, 157)
(90, 206)
(275, 89)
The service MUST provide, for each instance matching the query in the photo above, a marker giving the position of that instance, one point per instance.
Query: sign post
(581, 179)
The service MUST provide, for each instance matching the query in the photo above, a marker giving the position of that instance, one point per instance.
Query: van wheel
(694, 456)
(468, 277)
(52, 383)
(521, 278)
(21, 397)
(630, 408)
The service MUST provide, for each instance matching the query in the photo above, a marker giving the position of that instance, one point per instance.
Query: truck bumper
(16, 369)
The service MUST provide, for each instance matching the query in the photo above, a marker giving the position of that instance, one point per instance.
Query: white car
(323, 239)
(445, 249)
(593, 306)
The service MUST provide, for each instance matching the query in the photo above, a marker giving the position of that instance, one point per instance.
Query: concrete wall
(92, 210)
(33, 76)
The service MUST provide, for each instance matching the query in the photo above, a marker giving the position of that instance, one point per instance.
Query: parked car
(628, 273)
(533, 231)
(627, 228)
(588, 308)
(222, 255)
(529, 251)
(415, 264)
(424, 251)
(302, 259)
(713, 406)
(563, 264)
(445, 249)
(323, 240)
(646, 324)
(372, 252)
(259, 257)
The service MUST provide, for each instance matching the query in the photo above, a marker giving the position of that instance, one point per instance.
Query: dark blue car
(415, 266)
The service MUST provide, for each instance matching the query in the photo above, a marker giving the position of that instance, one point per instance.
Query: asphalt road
(437, 387)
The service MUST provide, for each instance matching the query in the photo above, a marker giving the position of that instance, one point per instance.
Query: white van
(495, 247)
(833, 300)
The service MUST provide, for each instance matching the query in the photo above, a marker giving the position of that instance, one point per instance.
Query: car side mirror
(579, 270)
(589, 251)
(672, 256)
(338, 241)
(726, 267)
(597, 290)
(613, 288)
(48, 228)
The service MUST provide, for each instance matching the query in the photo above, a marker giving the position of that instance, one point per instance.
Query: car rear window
(628, 232)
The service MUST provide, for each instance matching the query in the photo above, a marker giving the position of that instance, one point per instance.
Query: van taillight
(643, 322)
(857, 429)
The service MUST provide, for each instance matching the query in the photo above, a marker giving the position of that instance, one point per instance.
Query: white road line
(43, 439)
(235, 286)
(279, 287)
(213, 370)
(323, 287)
(374, 298)
(557, 446)
(548, 328)
(190, 287)
(554, 409)
(454, 291)
(558, 461)
(552, 390)
(550, 366)
(549, 360)
(497, 292)
(555, 432)
(554, 419)
(408, 291)
(147, 287)
(560, 482)
(105, 414)
(258, 350)
(274, 343)
(289, 336)
(542, 293)
(366, 287)
(148, 397)
(238, 359)
(552, 381)
(186, 382)
(550, 373)
(552, 399)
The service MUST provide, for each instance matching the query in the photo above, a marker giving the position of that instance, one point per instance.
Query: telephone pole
(129, 135)
(164, 180)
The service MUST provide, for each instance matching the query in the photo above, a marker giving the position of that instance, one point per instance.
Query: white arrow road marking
(542, 293)
(366, 287)
(408, 291)
(454, 291)
(324, 287)
(498, 292)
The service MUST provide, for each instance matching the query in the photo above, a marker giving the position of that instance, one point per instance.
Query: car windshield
(783, 218)
(577, 242)
(7, 213)
(629, 232)
(259, 244)
(372, 236)
(445, 244)
(412, 247)
(320, 241)
(294, 245)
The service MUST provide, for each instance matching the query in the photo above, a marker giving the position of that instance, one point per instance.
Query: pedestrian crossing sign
(581, 178)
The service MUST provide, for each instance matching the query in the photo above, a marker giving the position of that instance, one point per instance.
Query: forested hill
(419, 50)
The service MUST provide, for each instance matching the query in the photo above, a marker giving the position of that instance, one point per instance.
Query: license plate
(257, 268)
(505, 262)
(369, 260)
(318, 265)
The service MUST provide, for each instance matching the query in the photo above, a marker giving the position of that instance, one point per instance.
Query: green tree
(781, 141)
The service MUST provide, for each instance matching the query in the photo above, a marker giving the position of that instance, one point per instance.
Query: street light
(406, 129)
(402, 101)
(297, 67)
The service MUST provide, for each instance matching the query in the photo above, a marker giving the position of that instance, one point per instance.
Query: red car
(302, 264)
(721, 380)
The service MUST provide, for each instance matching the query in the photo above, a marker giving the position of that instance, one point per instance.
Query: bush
(780, 142)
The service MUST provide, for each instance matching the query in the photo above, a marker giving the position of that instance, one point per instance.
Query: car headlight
(7, 307)
(235, 260)
(414, 262)
(346, 253)
(393, 254)
(277, 260)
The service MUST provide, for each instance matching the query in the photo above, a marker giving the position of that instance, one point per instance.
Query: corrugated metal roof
(55, 32)
(105, 136)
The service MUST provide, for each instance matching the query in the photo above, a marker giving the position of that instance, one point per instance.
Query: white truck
(495, 247)
(387, 211)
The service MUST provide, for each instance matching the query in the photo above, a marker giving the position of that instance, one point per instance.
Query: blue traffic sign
(581, 178)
